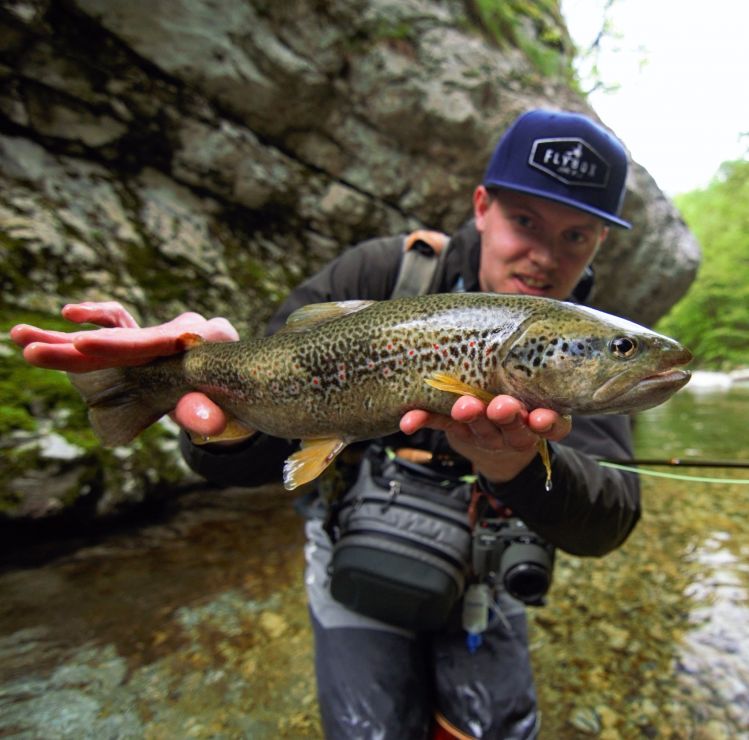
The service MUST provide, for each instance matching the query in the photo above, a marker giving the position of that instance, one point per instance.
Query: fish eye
(623, 347)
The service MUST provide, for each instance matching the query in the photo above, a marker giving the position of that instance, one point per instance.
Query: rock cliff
(209, 154)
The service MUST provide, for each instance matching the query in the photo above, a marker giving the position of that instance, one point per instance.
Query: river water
(195, 625)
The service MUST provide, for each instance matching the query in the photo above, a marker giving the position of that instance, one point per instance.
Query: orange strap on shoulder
(435, 239)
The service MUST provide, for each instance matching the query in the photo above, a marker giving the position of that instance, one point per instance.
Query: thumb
(197, 413)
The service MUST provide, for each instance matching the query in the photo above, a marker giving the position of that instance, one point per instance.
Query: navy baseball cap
(565, 157)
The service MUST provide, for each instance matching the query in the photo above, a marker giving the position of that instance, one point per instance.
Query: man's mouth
(533, 283)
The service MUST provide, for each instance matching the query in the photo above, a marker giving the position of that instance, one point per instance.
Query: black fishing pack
(402, 545)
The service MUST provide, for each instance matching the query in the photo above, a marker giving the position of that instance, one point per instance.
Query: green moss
(9, 501)
(10, 316)
(29, 393)
(17, 263)
(395, 30)
(505, 23)
(12, 418)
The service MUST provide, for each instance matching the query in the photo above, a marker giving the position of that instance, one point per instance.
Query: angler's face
(533, 246)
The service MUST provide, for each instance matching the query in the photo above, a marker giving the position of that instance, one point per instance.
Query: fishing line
(673, 476)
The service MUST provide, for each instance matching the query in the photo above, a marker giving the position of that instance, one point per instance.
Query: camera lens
(526, 571)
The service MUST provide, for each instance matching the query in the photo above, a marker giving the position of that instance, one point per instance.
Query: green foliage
(536, 27)
(27, 392)
(713, 318)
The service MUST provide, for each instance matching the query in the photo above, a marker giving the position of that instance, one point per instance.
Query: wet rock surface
(194, 627)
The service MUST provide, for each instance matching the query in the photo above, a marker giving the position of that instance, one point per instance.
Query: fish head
(575, 359)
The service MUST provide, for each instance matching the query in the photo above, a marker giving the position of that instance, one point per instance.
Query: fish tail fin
(119, 408)
(306, 464)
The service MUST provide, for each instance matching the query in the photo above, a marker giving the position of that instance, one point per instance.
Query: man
(552, 188)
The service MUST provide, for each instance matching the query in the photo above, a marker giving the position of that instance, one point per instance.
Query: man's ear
(481, 203)
(604, 234)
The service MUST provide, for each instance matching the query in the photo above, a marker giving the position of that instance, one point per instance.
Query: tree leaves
(713, 318)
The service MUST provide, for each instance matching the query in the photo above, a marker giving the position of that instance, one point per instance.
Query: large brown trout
(343, 372)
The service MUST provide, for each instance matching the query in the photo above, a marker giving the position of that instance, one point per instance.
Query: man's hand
(500, 438)
(122, 343)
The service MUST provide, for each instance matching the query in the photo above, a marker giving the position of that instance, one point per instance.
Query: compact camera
(505, 551)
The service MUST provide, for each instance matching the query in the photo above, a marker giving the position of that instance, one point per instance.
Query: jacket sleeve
(590, 509)
(366, 271)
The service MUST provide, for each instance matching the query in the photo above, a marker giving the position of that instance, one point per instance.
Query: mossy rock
(52, 463)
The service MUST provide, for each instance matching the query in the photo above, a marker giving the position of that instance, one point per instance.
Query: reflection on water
(653, 639)
(196, 627)
(713, 659)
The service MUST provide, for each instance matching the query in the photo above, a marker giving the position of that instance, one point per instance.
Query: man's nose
(543, 253)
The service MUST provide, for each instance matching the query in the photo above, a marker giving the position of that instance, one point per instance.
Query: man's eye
(524, 221)
(577, 237)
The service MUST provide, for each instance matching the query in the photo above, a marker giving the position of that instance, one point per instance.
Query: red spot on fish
(471, 343)
(411, 352)
(315, 381)
(436, 346)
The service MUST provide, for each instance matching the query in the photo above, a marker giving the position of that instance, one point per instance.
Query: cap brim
(607, 217)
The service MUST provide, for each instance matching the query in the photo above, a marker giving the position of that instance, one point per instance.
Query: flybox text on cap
(572, 161)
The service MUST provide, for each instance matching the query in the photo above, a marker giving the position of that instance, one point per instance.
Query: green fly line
(673, 476)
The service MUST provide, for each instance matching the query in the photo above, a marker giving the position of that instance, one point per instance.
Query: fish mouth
(645, 392)
(670, 377)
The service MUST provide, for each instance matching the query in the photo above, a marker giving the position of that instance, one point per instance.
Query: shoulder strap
(423, 253)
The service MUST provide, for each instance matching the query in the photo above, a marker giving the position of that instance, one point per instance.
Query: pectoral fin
(306, 464)
(451, 384)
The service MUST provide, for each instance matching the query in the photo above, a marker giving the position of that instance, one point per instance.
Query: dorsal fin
(308, 317)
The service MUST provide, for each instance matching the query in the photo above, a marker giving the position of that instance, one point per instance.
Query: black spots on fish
(565, 347)
(523, 369)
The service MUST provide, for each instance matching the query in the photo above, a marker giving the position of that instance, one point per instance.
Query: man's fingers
(413, 421)
(548, 424)
(67, 358)
(507, 412)
(220, 330)
(143, 344)
(25, 334)
(102, 313)
(197, 413)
